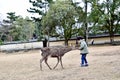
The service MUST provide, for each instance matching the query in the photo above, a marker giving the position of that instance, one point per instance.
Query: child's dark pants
(83, 59)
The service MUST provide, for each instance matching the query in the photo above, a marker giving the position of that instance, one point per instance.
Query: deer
(54, 52)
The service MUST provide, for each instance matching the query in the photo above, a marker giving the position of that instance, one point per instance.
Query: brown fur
(56, 52)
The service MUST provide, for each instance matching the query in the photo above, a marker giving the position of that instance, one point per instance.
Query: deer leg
(47, 63)
(41, 60)
(61, 62)
(57, 62)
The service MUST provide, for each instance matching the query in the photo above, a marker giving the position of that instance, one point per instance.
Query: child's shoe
(86, 65)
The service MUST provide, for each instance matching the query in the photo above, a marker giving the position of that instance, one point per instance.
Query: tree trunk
(111, 37)
(86, 25)
(66, 42)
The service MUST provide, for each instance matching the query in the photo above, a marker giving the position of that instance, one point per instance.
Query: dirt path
(104, 64)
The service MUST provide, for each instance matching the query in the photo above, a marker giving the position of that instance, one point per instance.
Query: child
(84, 52)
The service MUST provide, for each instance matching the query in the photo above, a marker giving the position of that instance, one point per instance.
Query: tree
(60, 17)
(40, 7)
(17, 29)
(80, 20)
(107, 16)
(12, 17)
(83, 17)
(24, 29)
(8, 26)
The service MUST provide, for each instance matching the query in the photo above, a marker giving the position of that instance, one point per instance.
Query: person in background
(45, 42)
(84, 52)
(92, 41)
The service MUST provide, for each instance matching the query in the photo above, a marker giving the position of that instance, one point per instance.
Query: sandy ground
(104, 64)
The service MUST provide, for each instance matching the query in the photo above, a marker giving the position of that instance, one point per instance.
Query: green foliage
(40, 7)
(17, 28)
(23, 30)
(62, 16)
(8, 26)
(12, 17)
(105, 16)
